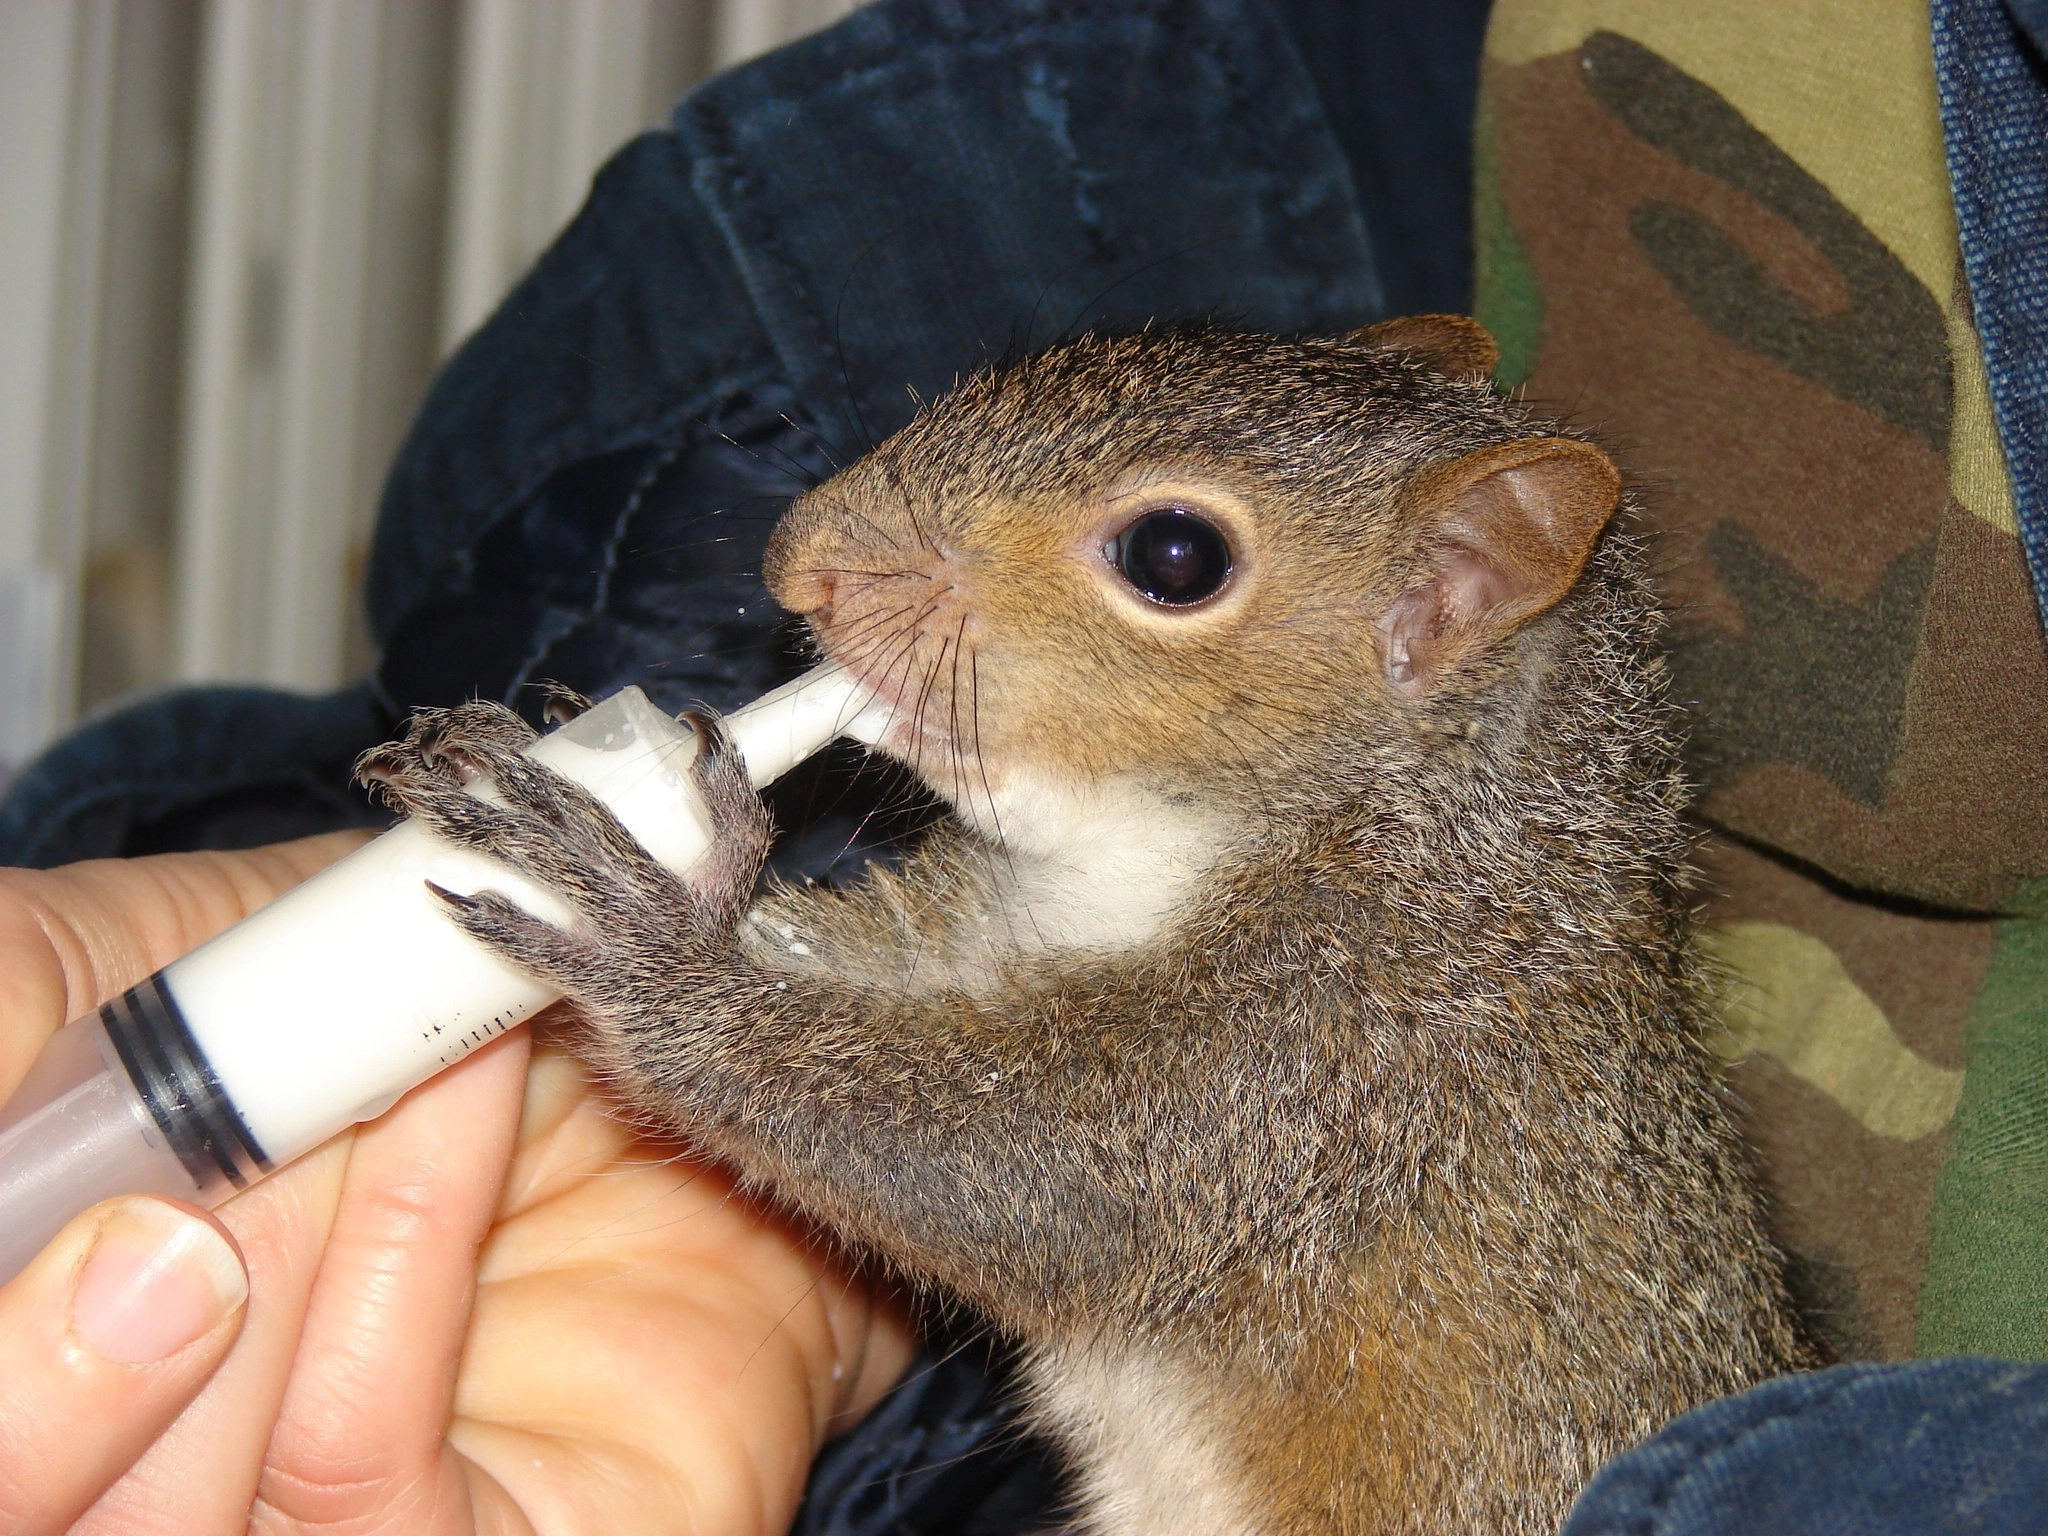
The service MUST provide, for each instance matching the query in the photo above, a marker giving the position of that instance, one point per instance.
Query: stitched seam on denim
(718, 132)
(572, 441)
(706, 428)
(1665, 1488)
(1175, 15)
(609, 561)
(566, 448)
(1171, 15)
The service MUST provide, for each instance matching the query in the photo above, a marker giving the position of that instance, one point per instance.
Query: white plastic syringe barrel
(322, 1008)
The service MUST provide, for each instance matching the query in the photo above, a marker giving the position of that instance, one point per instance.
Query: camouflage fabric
(1722, 235)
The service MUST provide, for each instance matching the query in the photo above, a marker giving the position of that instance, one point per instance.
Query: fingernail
(157, 1279)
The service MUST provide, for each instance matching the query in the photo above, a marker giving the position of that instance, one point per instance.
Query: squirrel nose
(820, 611)
(809, 594)
(797, 563)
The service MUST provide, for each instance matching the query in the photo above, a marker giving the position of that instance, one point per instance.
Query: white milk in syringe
(324, 1007)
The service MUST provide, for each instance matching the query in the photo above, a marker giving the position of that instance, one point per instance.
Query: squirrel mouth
(903, 695)
(921, 724)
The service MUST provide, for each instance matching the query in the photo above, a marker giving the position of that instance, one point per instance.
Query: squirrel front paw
(561, 837)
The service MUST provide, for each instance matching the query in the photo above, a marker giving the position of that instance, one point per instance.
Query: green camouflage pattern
(1721, 237)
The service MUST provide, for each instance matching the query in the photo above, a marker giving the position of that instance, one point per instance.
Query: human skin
(497, 1308)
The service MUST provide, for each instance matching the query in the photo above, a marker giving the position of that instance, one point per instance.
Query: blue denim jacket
(1991, 66)
(748, 298)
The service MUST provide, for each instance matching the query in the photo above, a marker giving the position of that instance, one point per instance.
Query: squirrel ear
(1456, 346)
(1509, 529)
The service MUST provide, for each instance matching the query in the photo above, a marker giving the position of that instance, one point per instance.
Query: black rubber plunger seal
(179, 1085)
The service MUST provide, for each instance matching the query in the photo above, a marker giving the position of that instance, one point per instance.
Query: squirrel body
(1294, 1038)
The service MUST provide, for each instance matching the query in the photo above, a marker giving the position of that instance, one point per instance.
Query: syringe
(325, 1006)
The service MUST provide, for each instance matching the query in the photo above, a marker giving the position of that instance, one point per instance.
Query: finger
(201, 1475)
(360, 1440)
(68, 939)
(643, 1338)
(214, 1465)
(104, 1339)
(872, 1346)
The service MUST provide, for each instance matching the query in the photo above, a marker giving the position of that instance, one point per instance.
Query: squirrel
(1293, 1037)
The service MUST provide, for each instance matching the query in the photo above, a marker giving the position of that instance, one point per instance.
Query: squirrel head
(1194, 559)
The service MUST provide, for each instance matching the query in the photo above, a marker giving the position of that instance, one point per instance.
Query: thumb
(104, 1338)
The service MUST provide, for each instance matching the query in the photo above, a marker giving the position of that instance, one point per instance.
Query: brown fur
(1299, 1053)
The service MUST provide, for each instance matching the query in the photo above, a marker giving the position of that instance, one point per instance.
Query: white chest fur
(1064, 867)
(1097, 866)
(1148, 1461)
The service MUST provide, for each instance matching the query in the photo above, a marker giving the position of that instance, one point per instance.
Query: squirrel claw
(712, 739)
(560, 703)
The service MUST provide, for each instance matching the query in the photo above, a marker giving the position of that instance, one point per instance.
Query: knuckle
(348, 1496)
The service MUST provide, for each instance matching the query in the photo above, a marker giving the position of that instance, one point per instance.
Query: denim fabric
(942, 1453)
(1937, 1448)
(1391, 78)
(199, 768)
(1991, 66)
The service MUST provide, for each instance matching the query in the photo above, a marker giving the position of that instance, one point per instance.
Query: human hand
(474, 1314)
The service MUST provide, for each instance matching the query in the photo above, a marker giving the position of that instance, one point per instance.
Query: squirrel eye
(1172, 557)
